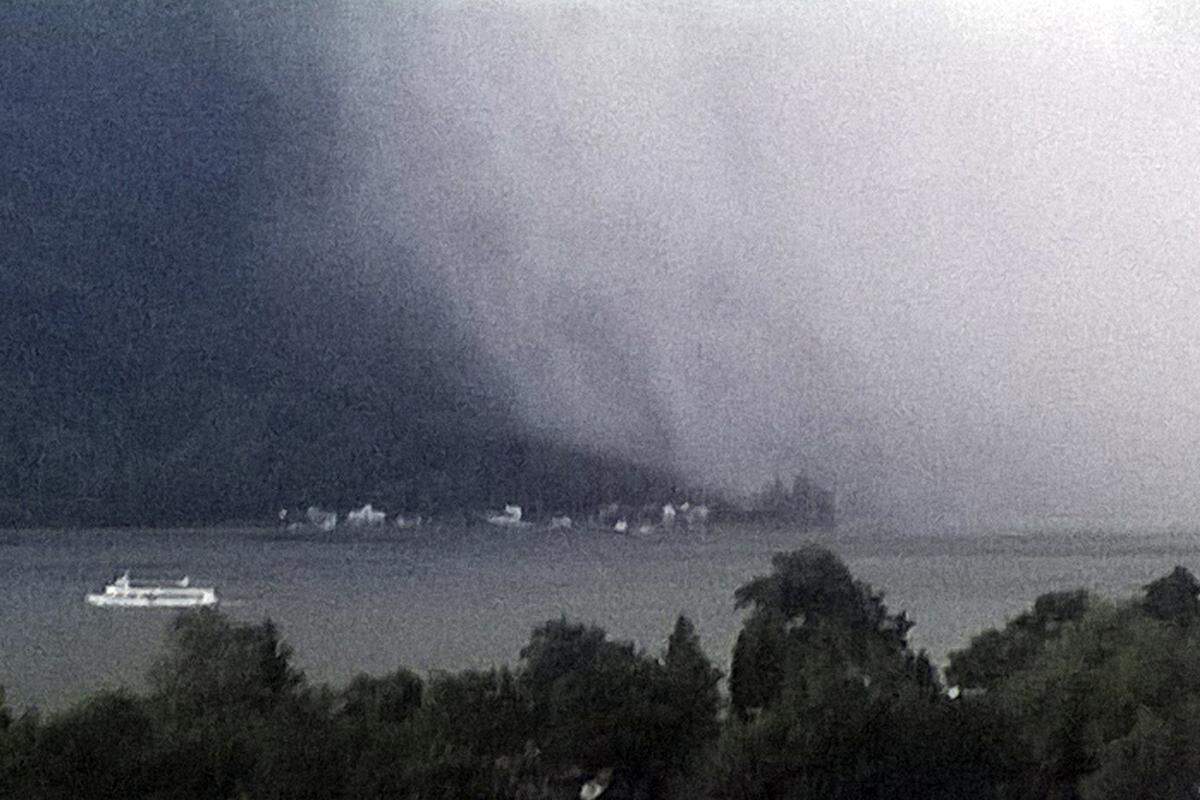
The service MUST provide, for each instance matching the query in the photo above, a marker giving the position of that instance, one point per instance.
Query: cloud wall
(941, 256)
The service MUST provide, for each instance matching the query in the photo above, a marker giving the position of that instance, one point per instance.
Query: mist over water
(938, 256)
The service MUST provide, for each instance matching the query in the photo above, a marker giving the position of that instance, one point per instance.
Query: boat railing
(125, 582)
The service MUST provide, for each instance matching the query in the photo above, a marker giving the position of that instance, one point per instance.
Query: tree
(1155, 759)
(837, 733)
(1111, 698)
(691, 684)
(558, 649)
(1173, 597)
(221, 691)
(756, 675)
(484, 713)
(602, 704)
(388, 700)
(298, 755)
(809, 584)
(588, 695)
(472, 738)
(17, 741)
(810, 605)
(684, 719)
(103, 748)
(829, 695)
(213, 665)
(993, 656)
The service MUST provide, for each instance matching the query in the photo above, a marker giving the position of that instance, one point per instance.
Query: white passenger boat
(153, 594)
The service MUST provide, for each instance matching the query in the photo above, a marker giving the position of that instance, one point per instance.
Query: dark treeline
(1078, 697)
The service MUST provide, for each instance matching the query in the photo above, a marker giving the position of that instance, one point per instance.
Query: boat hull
(150, 601)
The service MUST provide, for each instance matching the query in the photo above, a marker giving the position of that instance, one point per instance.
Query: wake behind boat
(124, 592)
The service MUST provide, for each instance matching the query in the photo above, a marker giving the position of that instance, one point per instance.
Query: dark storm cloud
(182, 336)
(939, 255)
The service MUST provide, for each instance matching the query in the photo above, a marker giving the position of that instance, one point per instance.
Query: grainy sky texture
(943, 255)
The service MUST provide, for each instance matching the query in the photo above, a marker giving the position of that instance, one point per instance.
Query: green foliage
(391, 699)
(17, 742)
(1173, 597)
(692, 693)
(599, 703)
(1155, 759)
(296, 755)
(812, 583)
(835, 735)
(589, 695)
(1096, 700)
(226, 697)
(373, 716)
(828, 694)
(481, 713)
(811, 607)
(995, 655)
(558, 649)
(756, 675)
(106, 747)
(214, 666)
(1113, 696)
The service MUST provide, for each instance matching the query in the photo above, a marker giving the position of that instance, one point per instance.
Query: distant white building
(511, 517)
(325, 520)
(366, 516)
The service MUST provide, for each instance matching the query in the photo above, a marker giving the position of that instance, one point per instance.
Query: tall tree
(811, 606)
(1173, 597)
(214, 664)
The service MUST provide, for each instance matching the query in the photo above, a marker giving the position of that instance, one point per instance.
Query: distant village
(803, 504)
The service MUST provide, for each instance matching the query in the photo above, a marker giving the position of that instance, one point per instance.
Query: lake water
(445, 598)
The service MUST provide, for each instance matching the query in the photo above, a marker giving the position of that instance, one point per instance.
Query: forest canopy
(1077, 697)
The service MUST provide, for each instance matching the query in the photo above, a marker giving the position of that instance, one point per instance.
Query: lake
(451, 598)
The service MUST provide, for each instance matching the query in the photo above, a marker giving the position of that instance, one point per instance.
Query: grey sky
(942, 255)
